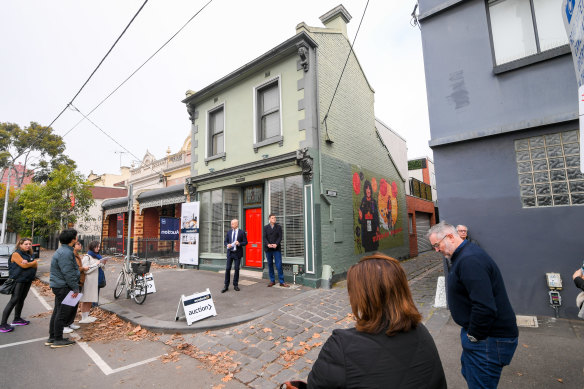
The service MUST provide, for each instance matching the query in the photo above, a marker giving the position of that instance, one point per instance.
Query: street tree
(36, 147)
(14, 217)
(63, 199)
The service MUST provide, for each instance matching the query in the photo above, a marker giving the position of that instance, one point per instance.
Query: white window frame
(256, 115)
(209, 137)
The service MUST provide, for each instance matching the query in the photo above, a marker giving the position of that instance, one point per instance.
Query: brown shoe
(284, 285)
(271, 284)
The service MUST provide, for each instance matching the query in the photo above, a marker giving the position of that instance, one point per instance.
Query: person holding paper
(64, 279)
(92, 261)
(234, 241)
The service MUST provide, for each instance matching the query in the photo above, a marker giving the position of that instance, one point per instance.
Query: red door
(253, 226)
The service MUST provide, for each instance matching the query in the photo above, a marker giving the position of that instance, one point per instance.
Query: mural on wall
(376, 220)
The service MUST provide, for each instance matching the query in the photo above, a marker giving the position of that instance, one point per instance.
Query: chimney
(337, 18)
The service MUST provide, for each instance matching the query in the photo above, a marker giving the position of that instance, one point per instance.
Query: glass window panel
(270, 125)
(540, 164)
(571, 148)
(512, 28)
(552, 139)
(560, 187)
(524, 167)
(231, 200)
(294, 236)
(276, 195)
(269, 98)
(294, 195)
(550, 26)
(570, 136)
(216, 222)
(556, 163)
(528, 201)
(205, 221)
(576, 186)
(574, 174)
(525, 179)
(218, 144)
(544, 201)
(538, 153)
(558, 175)
(527, 190)
(562, 200)
(536, 141)
(577, 198)
(216, 118)
(523, 156)
(521, 144)
(543, 189)
(541, 177)
(573, 161)
(554, 151)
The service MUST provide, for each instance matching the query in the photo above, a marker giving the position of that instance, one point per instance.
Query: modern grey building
(502, 97)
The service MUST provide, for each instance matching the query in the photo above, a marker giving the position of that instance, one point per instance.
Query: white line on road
(41, 299)
(104, 366)
(23, 342)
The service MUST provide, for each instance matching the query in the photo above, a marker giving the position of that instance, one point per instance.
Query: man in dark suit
(272, 240)
(235, 239)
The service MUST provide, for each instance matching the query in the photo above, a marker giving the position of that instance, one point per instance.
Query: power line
(100, 62)
(140, 67)
(343, 71)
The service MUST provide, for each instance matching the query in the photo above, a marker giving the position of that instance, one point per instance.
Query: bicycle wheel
(120, 284)
(140, 289)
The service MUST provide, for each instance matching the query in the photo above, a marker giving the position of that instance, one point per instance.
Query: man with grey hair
(234, 241)
(478, 302)
(464, 235)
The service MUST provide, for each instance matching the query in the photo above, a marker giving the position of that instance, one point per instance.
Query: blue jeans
(277, 256)
(482, 362)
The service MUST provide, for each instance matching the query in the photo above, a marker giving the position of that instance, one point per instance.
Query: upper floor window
(216, 132)
(268, 111)
(521, 28)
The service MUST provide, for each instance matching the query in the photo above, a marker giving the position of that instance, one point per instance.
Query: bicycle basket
(141, 267)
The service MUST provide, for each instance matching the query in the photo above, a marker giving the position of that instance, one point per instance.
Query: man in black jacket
(234, 241)
(479, 304)
(272, 240)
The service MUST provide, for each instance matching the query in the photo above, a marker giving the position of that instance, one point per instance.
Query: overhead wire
(343, 71)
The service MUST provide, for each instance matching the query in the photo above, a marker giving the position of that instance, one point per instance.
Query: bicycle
(133, 278)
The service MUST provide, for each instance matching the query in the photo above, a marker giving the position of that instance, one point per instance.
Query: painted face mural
(376, 220)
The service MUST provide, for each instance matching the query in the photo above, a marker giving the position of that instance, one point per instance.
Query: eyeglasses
(437, 244)
(462, 230)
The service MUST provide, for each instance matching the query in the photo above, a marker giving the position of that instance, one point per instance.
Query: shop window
(521, 28)
(549, 170)
(217, 209)
(285, 201)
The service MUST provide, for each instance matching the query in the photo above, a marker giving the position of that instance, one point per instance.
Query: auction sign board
(573, 16)
(197, 306)
(189, 233)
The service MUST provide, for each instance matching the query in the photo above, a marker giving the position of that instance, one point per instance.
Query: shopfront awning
(114, 206)
(164, 196)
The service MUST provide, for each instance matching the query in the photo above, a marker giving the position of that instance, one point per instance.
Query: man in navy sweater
(478, 303)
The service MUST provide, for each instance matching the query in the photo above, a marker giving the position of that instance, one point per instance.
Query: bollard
(327, 277)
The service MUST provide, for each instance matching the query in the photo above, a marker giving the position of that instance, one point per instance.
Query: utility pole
(120, 152)
(5, 215)
(130, 206)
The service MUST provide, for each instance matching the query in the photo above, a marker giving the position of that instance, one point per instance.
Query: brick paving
(284, 344)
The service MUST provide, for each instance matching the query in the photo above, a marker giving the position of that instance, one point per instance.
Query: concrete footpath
(275, 334)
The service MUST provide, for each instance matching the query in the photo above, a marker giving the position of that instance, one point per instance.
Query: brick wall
(151, 222)
(351, 125)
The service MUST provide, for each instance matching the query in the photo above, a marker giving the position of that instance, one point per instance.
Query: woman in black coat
(23, 267)
(389, 346)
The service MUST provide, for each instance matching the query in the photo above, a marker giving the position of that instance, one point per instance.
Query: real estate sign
(189, 233)
(573, 16)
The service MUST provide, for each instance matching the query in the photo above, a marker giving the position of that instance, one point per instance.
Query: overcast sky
(49, 49)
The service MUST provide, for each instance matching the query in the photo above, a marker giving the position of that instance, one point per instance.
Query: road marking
(23, 342)
(41, 299)
(104, 366)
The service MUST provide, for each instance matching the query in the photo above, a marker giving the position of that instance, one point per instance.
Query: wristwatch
(471, 338)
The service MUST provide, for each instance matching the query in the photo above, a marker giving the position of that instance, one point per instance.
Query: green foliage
(49, 204)
(14, 217)
(21, 144)
(415, 164)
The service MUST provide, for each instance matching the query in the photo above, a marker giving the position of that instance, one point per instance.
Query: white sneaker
(85, 321)
(91, 319)
(74, 326)
(67, 330)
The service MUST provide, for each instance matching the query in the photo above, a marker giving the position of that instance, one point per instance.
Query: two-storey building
(502, 98)
(282, 135)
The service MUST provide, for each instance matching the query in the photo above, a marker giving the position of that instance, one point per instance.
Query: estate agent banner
(189, 230)
(169, 228)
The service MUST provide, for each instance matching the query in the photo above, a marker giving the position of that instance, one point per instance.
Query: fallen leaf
(289, 338)
(266, 329)
(316, 335)
(525, 345)
(560, 380)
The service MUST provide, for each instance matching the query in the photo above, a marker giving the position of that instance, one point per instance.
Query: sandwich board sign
(196, 306)
(151, 288)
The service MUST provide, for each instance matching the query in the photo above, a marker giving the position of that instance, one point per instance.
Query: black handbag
(8, 286)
